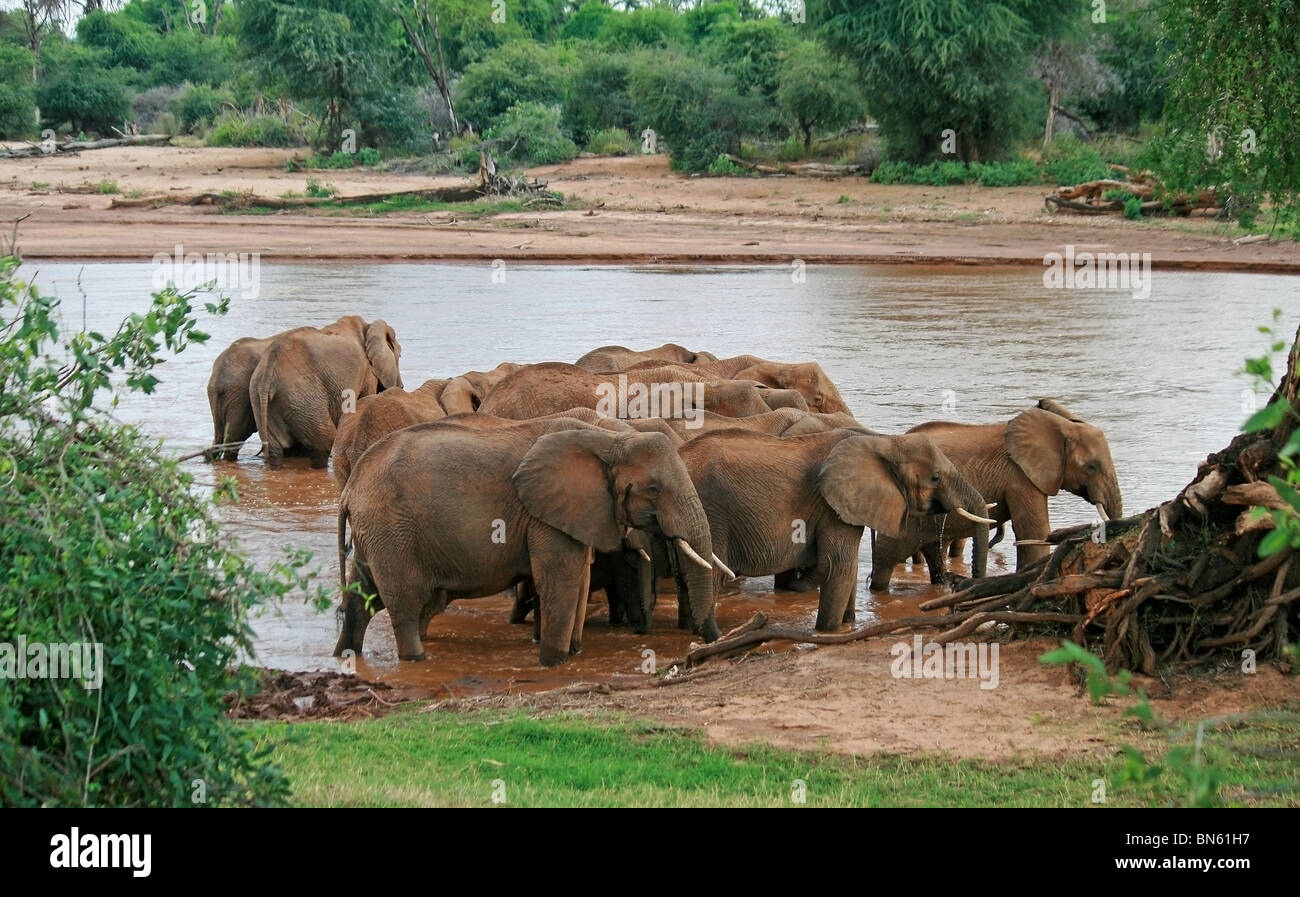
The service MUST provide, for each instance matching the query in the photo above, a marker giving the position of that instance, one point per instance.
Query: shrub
(530, 134)
(1006, 174)
(317, 190)
(198, 104)
(79, 90)
(695, 108)
(612, 142)
(150, 105)
(108, 541)
(393, 118)
(17, 94)
(1133, 208)
(598, 96)
(519, 72)
(791, 150)
(369, 156)
(1070, 161)
(238, 129)
(723, 166)
(649, 26)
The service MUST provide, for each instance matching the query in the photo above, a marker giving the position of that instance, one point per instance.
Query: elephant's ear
(1036, 441)
(382, 349)
(858, 482)
(458, 397)
(564, 482)
(1049, 404)
(768, 374)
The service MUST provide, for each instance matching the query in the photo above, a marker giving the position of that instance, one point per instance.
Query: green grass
(415, 758)
(409, 203)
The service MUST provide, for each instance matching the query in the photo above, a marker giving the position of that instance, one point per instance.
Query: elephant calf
(441, 511)
(306, 376)
(620, 358)
(777, 504)
(228, 396)
(1016, 464)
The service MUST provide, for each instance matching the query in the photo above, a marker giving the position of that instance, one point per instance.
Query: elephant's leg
(580, 618)
(274, 456)
(837, 604)
(411, 602)
(916, 558)
(353, 615)
(523, 601)
(886, 554)
(560, 572)
(933, 552)
(957, 548)
(1029, 517)
(679, 580)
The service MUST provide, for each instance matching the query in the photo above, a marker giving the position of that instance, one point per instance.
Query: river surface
(904, 344)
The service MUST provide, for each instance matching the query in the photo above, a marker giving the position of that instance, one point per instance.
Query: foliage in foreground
(105, 541)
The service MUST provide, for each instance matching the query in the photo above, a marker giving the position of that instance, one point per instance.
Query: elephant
(668, 391)
(777, 504)
(807, 378)
(441, 511)
(618, 358)
(228, 396)
(1016, 464)
(307, 375)
(378, 415)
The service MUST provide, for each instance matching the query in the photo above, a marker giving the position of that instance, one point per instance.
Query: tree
(420, 24)
(522, 71)
(929, 66)
(17, 95)
(79, 90)
(1234, 98)
(817, 91)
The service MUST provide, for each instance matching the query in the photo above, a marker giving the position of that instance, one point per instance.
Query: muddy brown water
(905, 344)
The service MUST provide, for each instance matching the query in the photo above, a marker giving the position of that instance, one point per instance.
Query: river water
(905, 344)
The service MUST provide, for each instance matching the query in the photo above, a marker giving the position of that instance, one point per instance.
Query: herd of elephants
(558, 479)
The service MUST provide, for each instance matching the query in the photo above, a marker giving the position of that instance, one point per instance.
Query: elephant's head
(383, 351)
(783, 398)
(1057, 450)
(595, 485)
(879, 481)
(808, 378)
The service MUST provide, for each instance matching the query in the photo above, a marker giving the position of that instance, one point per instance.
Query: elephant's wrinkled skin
(306, 375)
(228, 395)
(440, 511)
(620, 358)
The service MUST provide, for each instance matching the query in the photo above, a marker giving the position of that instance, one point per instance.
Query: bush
(393, 118)
(1133, 208)
(650, 26)
(1070, 161)
(530, 134)
(149, 106)
(519, 72)
(722, 166)
(1006, 174)
(107, 541)
(238, 129)
(198, 104)
(598, 96)
(317, 190)
(80, 91)
(17, 95)
(612, 142)
(695, 108)
(184, 55)
(369, 156)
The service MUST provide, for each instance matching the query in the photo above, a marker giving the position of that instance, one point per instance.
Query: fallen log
(81, 146)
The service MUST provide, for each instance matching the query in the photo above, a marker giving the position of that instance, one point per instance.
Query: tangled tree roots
(1182, 582)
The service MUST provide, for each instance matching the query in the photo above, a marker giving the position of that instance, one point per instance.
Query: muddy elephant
(668, 391)
(306, 376)
(228, 396)
(777, 504)
(807, 378)
(440, 512)
(1016, 465)
(393, 409)
(620, 358)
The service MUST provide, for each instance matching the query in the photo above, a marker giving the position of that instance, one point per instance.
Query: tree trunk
(1053, 99)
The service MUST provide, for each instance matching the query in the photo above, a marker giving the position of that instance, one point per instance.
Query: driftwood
(1087, 199)
(824, 169)
(490, 184)
(81, 146)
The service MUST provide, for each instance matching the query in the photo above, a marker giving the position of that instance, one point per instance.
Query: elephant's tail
(343, 541)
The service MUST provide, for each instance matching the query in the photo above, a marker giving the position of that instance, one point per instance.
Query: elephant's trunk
(684, 519)
(1110, 498)
(966, 502)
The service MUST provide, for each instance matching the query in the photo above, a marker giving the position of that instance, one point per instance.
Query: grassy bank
(415, 758)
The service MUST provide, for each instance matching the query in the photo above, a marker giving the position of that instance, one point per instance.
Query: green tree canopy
(817, 91)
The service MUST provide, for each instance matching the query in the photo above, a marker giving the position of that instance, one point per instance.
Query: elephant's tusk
(642, 552)
(723, 567)
(991, 505)
(1102, 512)
(1031, 542)
(690, 553)
(962, 512)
